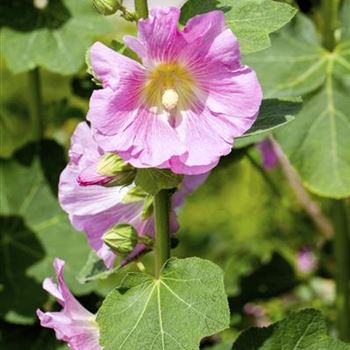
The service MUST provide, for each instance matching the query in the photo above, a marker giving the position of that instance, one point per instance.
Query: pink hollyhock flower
(268, 154)
(73, 324)
(183, 106)
(95, 208)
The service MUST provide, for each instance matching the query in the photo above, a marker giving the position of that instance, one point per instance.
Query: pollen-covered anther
(170, 99)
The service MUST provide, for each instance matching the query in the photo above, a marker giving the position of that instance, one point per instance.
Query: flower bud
(107, 7)
(112, 165)
(121, 238)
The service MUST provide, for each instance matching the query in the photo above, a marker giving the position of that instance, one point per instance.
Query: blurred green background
(245, 218)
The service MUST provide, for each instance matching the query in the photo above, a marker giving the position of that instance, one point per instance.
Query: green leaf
(317, 143)
(61, 50)
(274, 113)
(304, 330)
(344, 16)
(173, 312)
(45, 234)
(95, 269)
(19, 248)
(251, 20)
(153, 180)
(299, 62)
(14, 124)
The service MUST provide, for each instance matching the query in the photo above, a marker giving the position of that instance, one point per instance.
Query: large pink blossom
(183, 106)
(96, 208)
(73, 324)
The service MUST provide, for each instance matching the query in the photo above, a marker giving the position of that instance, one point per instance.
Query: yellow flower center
(169, 86)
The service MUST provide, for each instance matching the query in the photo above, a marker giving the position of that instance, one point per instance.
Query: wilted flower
(96, 208)
(180, 108)
(73, 324)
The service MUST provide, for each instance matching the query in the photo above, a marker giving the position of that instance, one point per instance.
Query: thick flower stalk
(73, 324)
(94, 206)
(183, 106)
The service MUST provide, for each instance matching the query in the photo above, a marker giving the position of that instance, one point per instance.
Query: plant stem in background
(342, 267)
(141, 8)
(311, 207)
(35, 104)
(162, 226)
(329, 13)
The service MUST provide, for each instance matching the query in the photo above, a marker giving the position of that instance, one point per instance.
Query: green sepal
(121, 238)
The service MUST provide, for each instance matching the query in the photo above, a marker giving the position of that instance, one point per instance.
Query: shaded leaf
(273, 114)
(173, 312)
(153, 180)
(94, 269)
(14, 124)
(251, 20)
(20, 249)
(28, 338)
(61, 50)
(27, 195)
(317, 143)
(304, 330)
(270, 279)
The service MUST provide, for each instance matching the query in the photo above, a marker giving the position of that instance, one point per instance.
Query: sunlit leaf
(251, 20)
(173, 312)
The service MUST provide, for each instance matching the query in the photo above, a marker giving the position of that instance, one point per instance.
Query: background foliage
(250, 221)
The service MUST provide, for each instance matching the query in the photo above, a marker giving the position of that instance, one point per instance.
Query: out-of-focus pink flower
(182, 107)
(268, 154)
(306, 260)
(73, 324)
(95, 208)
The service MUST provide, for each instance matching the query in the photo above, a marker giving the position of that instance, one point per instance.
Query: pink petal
(148, 142)
(80, 200)
(73, 324)
(159, 39)
(109, 66)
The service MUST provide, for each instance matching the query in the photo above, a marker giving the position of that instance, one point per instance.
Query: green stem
(141, 8)
(35, 104)
(342, 267)
(329, 11)
(162, 225)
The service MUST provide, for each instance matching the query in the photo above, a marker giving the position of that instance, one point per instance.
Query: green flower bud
(112, 165)
(107, 7)
(121, 238)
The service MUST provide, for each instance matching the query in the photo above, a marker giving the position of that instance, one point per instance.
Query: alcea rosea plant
(158, 125)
